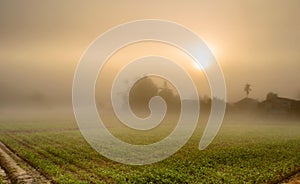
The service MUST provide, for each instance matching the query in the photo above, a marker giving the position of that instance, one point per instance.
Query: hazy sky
(255, 41)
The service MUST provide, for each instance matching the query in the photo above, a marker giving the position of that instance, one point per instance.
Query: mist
(255, 42)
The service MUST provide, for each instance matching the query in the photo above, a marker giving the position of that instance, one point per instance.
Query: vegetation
(241, 153)
(147, 87)
(247, 89)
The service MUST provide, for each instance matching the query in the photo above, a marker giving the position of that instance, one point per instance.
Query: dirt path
(4, 177)
(293, 180)
(16, 170)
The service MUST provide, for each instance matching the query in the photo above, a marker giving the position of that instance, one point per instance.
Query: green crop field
(256, 151)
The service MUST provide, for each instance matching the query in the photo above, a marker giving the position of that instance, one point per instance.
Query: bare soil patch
(16, 170)
(293, 180)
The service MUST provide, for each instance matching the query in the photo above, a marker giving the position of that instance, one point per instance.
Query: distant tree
(168, 94)
(271, 96)
(142, 92)
(247, 89)
(145, 88)
(206, 99)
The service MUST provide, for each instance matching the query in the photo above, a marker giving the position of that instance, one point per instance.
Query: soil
(4, 177)
(293, 180)
(15, 170)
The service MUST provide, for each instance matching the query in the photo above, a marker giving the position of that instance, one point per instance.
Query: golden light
(213, 49)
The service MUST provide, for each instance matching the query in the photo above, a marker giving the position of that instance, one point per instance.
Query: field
(245, 151)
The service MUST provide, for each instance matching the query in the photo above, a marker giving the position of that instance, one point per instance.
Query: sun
(214, 50)
(207, 57)
(197, 66)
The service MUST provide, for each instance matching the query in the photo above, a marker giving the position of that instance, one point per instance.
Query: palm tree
(247, 89)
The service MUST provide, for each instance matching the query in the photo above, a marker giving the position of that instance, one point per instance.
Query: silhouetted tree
(247, 89)
(271, 96)
(144, 89)
(206, 99)
(142, 92)
(168, 94)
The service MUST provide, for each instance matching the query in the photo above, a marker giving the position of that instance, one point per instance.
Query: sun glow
(206, 58)
(213, 48)
(197, 66)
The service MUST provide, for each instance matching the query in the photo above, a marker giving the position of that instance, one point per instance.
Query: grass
(255, 151)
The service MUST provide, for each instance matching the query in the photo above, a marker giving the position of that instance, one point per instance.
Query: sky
(254, 41)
